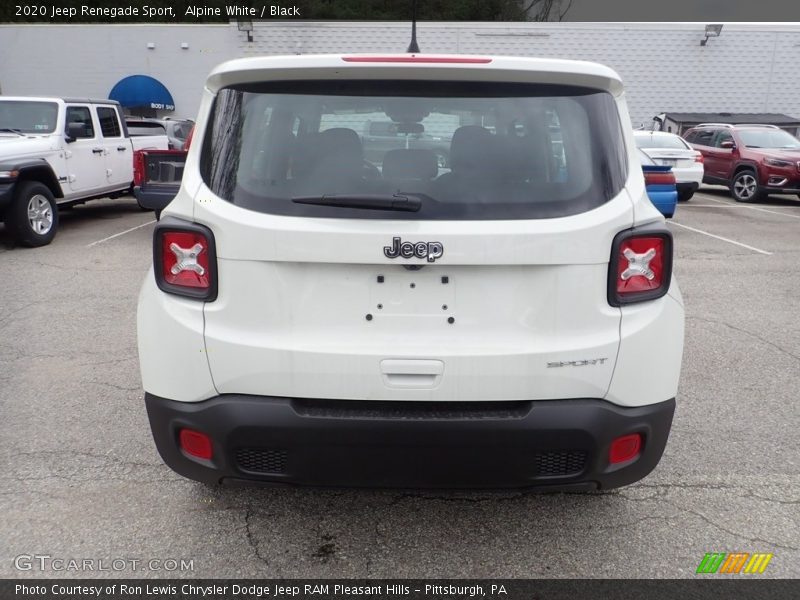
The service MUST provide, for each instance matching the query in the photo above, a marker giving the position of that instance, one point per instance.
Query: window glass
(82, 116)
(660, 141)
(769, 138)
(181, 130)
(109, 122)
(465, 149)
(137, 128)
(703, 137)
(28, 117)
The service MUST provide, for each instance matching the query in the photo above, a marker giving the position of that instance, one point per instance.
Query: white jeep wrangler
(507, 320)
(57, 152)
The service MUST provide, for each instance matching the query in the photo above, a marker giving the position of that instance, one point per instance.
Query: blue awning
(142, 91)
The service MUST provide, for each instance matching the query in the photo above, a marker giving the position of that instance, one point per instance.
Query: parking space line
(116, 235)
(759, 209)
(694, 205)
(719, 237)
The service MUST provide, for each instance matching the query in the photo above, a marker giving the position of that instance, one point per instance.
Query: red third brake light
(625, 448)
(640, 267)
(413, 58)
(196, 444)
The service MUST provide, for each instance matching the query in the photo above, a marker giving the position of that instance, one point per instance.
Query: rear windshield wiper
(17, 131)
(402, 202)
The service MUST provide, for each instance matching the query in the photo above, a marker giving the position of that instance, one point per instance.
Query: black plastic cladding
(179, 225)
(651, 230)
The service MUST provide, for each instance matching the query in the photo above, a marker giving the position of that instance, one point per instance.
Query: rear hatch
(409, 277)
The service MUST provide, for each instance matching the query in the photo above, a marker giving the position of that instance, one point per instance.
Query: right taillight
(698, 157)
(184, 259)
(138, 167)
(641, 266)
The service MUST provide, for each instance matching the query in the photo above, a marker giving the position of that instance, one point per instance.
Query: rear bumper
(551, 444)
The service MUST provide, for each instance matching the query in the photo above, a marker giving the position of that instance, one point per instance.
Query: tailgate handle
(411, 373)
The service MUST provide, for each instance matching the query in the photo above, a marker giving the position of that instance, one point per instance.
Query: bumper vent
(261, 460)
(559, 464)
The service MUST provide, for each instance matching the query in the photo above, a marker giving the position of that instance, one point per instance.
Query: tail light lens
(640, 267)
(659, 178)
(184, 259)
(698, 157)
(138, 167)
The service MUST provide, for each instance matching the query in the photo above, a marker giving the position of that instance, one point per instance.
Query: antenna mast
(413, 47)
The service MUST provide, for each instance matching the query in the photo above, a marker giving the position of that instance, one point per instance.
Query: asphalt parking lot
(82, 479)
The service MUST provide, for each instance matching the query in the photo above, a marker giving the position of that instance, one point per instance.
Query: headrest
(467, 147)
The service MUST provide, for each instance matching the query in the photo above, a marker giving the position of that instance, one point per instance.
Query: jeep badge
(428, 250)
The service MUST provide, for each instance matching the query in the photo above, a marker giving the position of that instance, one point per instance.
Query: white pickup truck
(57, 152)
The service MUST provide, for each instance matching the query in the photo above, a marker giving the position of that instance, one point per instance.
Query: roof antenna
(413, 47)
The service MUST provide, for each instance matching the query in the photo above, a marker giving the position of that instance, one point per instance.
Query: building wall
(749, 68)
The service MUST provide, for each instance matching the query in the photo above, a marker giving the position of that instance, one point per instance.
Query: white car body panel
(171, 348)
(290, 318)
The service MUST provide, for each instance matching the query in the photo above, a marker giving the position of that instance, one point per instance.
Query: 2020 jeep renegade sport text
(507, 320)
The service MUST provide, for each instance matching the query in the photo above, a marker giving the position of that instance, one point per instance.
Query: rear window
(181, 130)
(660, 141)
(138, 128)
(465, 150)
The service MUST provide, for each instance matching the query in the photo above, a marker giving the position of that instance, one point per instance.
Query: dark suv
(752, 160)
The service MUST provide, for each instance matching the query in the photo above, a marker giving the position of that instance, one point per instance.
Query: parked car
(752, 160)
(157, 175)
(175, 129)
(56, 152)
(659, 180)
(669, 149)
(312, 319)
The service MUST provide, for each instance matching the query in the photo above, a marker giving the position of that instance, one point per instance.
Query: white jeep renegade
(502, 314)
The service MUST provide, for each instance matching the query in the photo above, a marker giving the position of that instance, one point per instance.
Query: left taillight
(659, 178)
(184, 259)
(641, 266)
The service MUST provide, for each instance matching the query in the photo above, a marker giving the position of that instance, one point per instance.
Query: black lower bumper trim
(547, 444)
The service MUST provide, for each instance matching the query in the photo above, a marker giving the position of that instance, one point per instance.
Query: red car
(752, 160)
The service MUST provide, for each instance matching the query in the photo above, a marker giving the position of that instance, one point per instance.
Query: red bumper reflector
(625, 448)
(419, 59)
(196, 444)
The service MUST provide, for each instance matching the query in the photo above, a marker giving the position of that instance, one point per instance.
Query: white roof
(415, 66)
